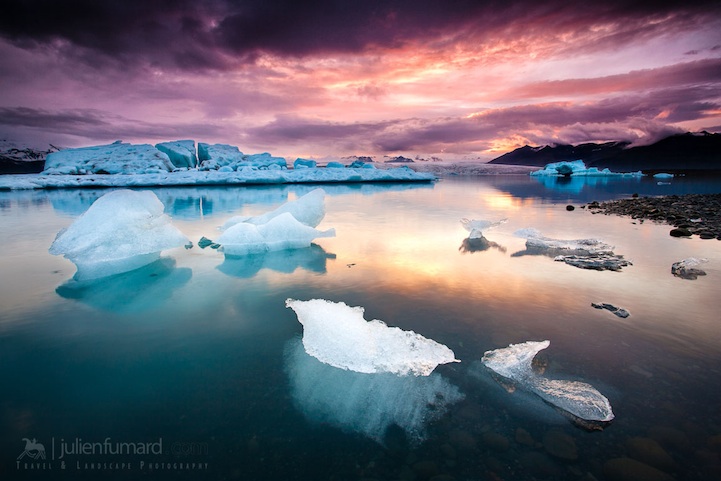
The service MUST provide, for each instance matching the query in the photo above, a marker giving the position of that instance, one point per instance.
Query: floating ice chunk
(181, 152)
(687, 268)
(368, 404)
(619, 311)
(308, 210)
(579, 399)
(662, 175)
(476, 227)
(534, 239)
(578, 168)
(338, 335)
(117, 158)
(334, 165)
(121, 231)
(279, 233)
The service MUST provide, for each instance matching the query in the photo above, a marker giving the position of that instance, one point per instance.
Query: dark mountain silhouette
(677, 153)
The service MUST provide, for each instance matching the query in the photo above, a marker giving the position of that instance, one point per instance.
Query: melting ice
(308, 210)
(579, 399)
(338, 335)
(121, 231)
(476, 227)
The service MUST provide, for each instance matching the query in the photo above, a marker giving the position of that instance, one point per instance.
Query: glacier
(308, 209)
(180, 152)
(121, 231)
(279, 233)
(584, 403)
(365, 403)
(115, 158)
(338, 335)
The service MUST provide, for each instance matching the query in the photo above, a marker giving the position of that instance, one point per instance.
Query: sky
(455, 79)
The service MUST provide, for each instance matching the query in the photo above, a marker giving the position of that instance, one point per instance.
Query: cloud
(221, 34)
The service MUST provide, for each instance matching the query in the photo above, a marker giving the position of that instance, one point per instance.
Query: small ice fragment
(476, 227)
(687, 268)
(121, 231)
(579, 399)
(338, 335)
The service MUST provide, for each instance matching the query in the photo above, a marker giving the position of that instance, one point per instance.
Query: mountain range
(677, 153)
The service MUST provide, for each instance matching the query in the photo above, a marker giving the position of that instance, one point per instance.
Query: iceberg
(181, 153)
(476, 227)
(279, 233)
(308, 209)
(578, 168)
(338, 335)
(229, 158)
(368, 404)
(662, 175)
(116, 158)
(121, 231)
(304, 164)
(586, 405)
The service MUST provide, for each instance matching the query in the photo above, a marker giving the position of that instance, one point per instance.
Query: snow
(116, 158)
(121, 231)
(338, 335)
(308, 209)
(279, 233)
(181, 153)
(578, 168)
(368, 404)
(577, 398)
(476, 227)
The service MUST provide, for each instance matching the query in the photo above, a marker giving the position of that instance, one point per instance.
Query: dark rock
(462, 440)
(680, 232)
(650, 452)
(496, 441)
(425, 469)
(620, 312)
(204, 242)
(686, 269)
(524, 437)
(189, 245)
(570, 208)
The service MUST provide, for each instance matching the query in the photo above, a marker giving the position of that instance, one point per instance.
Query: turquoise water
(196, 360)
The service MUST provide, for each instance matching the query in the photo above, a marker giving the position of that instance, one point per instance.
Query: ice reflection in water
(368, 404)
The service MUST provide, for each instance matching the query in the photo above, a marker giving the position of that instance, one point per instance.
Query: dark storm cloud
(199, 34)
(91, 123)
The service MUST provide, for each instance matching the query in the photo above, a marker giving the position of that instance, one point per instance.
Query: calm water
(196, 357)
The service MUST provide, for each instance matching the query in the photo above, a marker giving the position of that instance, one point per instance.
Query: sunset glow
(333, 78)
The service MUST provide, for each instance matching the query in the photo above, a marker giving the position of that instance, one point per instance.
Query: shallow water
(200, 352)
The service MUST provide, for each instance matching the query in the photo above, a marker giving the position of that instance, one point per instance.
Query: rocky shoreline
(691, 214)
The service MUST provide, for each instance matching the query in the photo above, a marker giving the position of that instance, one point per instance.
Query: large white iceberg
(229, 158)
(279, 233)
(338, 335)
(121, 231)
(476, 227)
(308, 209)
(368, 404)
(181, 153)
(582, 401)
(578, 168)
(116, 158)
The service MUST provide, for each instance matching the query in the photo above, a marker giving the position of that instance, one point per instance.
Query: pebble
(461, 440)
(425, 469)
(524, 437)
(627, 469)
(560, 445)
(650, 452)
(495, 441)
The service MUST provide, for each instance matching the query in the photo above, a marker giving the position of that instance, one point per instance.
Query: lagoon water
(199, 353)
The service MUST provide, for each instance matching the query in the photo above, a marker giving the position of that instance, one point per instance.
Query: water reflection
(312, 259)
(368, 404)
(479, 244)
(146, 288)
